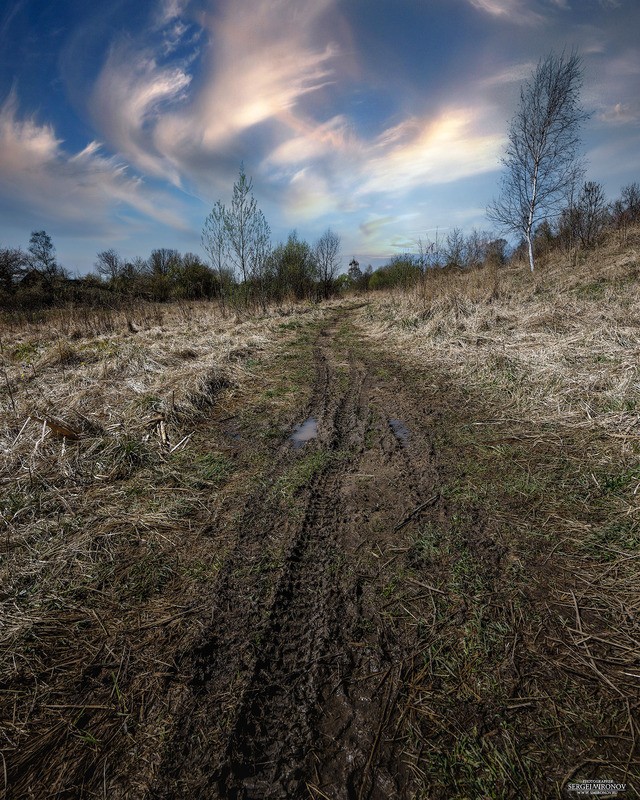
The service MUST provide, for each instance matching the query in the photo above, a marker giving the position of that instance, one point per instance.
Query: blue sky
(384, 119)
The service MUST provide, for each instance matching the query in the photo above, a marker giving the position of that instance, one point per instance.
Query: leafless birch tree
(541, 162)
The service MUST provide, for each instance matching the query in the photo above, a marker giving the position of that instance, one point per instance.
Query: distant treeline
(33, 278)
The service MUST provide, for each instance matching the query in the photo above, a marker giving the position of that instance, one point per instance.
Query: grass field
(443, 584)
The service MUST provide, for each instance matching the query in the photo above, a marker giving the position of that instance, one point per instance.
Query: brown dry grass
(549, 453)
(562, 346)
(110, 491)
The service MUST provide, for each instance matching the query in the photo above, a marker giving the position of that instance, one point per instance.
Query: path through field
(295, 686)
(377, 614)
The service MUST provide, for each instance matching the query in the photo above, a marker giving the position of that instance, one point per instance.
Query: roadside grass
(525, 676)
(123, 453)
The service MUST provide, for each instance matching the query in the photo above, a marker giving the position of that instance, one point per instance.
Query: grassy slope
(532, 679)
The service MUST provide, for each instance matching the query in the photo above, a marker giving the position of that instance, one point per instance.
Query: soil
(294, 684)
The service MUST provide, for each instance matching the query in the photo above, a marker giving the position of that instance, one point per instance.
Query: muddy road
(378, 605)
(295, 685)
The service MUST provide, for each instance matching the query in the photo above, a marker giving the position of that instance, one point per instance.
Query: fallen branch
(416, 511)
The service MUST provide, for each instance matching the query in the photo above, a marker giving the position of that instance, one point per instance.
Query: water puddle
(400, 429)
(304, 432)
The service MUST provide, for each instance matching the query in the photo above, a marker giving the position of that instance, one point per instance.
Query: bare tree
(215, 240)
(626, 210)
(12, 265)
(591, 212)
(246, 228)
(163, 261)
(109, 264)
(327, 255)
(42, 256)
(541, 162)
(455, 255)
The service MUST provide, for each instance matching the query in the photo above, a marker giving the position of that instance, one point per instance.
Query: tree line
(243, 266)
(543, 201)
(241, 271)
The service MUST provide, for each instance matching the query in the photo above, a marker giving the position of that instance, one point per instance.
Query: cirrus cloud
(79, 192)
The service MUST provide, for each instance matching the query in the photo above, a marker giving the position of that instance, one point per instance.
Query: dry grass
(550, 366)
(561, 347)
(112, 475)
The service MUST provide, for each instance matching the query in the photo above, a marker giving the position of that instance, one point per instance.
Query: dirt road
(381, 617)
(295, 684)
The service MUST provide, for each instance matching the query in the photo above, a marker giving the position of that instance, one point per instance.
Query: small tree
(42, 256)
(355, 273)
(215, 240)
(237, 239)
(246, 229)
(455, 255)
(293, 268)
(12, 264)
(591, 209)
(327, 257)
(626, 210)
(541, 161)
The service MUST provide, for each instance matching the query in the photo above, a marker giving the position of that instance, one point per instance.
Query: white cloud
(40, 179)
(620, 113)
(518, 12)
(130, 96)
(261, 59)
(171, 10)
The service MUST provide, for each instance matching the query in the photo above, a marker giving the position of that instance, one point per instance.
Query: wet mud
(295, 683)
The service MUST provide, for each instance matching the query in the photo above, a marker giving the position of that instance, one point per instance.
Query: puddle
(400, 429)
(304, 432)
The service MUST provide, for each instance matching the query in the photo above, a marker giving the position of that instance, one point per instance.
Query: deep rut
(274, 729)
(296, 682)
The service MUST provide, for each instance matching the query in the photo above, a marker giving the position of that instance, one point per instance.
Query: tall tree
(327, 257)
(247, 231)
(541, 161)
(214, 238)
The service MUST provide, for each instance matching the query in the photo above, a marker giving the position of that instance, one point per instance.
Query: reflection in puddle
(304, 432)
(400, 429)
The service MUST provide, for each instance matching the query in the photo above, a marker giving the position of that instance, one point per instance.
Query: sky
(122, 123)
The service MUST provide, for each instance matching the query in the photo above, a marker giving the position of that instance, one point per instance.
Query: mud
(295, 682)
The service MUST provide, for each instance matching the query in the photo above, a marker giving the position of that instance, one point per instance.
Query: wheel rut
(295, 683)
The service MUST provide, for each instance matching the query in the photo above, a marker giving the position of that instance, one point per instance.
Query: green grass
(301, 473)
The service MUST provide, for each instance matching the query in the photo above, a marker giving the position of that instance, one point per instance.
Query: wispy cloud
(519, 12)
(130, 96)
(440, 148)
(262, 58)
(77, 191)
(620, 113)
(523, 12)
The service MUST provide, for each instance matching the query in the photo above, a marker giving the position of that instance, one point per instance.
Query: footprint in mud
(304, 432)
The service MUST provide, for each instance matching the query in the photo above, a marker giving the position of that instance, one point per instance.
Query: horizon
(384, 122)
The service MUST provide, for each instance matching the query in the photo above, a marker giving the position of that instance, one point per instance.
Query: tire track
(295, 682)
(274, 731)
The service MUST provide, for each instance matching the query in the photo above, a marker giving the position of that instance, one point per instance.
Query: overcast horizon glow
(120, 127)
